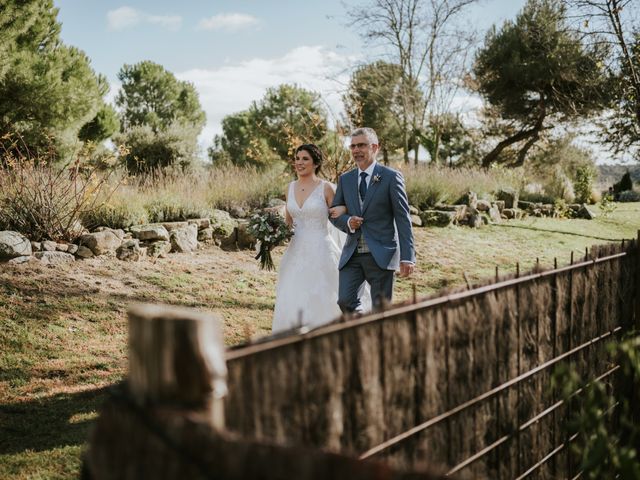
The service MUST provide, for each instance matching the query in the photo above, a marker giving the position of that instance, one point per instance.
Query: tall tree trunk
(518, 137)
(532, 135)
(405, 143)
(613, 10)
(436, 148)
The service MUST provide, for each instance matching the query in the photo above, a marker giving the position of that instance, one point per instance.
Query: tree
(373, 99)
(241, 143)
(47, 90)
(612, 22)
(102, 126)
(287, 116)
(149, 151)
(271, 128)
(537, 72)
(448, 140)
(423, 38)
(152, 96)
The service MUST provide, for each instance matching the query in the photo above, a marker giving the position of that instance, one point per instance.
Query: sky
(233, 50)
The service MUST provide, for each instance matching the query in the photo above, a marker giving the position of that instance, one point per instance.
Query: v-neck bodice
(313, 214)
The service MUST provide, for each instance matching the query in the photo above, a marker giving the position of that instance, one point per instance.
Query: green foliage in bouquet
(270, 229)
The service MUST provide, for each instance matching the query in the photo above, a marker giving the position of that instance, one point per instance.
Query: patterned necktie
(363, 185)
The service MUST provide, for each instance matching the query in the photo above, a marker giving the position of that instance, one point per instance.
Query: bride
(307, 289)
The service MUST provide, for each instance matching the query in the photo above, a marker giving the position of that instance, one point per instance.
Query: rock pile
(136, 243)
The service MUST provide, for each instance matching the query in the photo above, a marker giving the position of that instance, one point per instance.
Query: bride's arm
(287, 217)
(329, 194)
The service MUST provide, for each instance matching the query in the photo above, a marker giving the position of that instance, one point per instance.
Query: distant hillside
(610, 174)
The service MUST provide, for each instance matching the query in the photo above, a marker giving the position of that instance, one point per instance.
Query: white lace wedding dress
(307, 289)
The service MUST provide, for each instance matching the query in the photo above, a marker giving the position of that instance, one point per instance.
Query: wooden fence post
(176, 357)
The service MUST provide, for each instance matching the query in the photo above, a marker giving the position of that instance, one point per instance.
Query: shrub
(559, 186)
(148, 151)
(244, 187)
(607, 425)
(429, 185)
(629, 196)
(537, 197)
(116, 213)
(624, 184)
(583, 184)
(169, 208)
(46, 201)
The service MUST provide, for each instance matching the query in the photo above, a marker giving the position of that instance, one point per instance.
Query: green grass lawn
(63, 329)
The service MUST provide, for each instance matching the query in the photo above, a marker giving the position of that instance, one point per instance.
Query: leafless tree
(616, 22)
(426, 39)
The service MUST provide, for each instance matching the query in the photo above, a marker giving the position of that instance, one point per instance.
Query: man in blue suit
(377, 223)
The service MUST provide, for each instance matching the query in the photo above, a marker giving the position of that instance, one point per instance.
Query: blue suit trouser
(361, 267)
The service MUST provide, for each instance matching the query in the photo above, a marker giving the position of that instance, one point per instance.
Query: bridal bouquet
(270, 229)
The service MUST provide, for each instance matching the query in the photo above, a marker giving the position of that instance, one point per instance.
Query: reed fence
(462, 380)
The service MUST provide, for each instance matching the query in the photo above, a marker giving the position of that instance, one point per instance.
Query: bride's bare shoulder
(329, 187)
(286, 190)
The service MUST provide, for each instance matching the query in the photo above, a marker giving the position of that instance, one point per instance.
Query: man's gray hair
(370, 133)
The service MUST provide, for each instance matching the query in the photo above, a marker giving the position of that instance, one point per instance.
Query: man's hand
(355, 222)
(406, 269)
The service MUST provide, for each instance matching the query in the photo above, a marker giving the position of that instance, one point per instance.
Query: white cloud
(228, 21)
(128, 17)
(170, 22)
(232, 88)
(123, 17)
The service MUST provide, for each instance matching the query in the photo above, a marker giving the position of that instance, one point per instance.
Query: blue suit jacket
(387, 223)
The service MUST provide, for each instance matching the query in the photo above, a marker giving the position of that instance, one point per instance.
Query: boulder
(19, 260)
(150, 232)
(222, 224)
(483, 205)
(202, 223)
(83, 252)
(416, 221)
(240, 239)
(437, 218)
(413, 210)
(159, 249)
(54, 258)
(13, 244)
(509, 197)
(62, 247)
(170, 226)
(130, 251)
(585, 213)
(525, 205)
(36, 246)
(475, 218)
(101, 243)
(205, 235)
(470, 199)
(548, 210)
(49, 246)
(512, 213)
(185, 239)
(72, 248)
(237, 212)
(459, 210)
(494, 214)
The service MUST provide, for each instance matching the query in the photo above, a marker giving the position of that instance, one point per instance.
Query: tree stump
(176, 358)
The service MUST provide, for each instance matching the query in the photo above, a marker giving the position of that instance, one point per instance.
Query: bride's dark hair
(315, 152)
